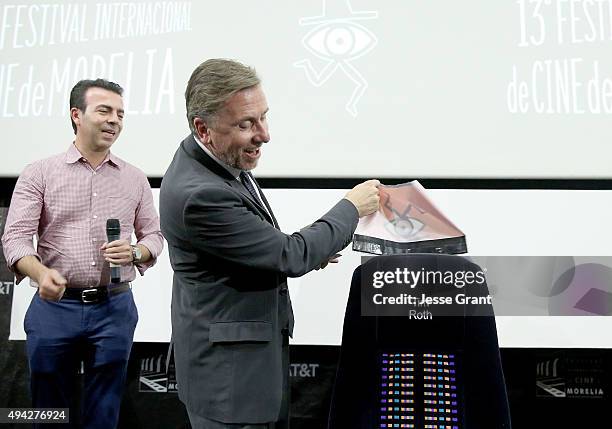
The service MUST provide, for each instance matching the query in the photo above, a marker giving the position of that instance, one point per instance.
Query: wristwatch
(136, 254)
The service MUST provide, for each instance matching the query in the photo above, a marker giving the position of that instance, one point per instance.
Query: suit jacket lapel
(236, 184)
(265, 201)
(194, 151)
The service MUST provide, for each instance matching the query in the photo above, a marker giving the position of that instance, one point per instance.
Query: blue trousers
(64, 336)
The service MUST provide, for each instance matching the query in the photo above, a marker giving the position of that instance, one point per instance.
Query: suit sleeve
(219, 223)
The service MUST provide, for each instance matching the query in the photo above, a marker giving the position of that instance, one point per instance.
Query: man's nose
(262, 135)
(114, 117)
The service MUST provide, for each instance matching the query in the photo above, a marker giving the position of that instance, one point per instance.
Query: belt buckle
(89, 296)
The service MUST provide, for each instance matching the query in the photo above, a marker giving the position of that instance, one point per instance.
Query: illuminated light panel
(436, 392)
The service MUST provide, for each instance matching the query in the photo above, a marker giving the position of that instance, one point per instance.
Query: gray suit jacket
(230, 301)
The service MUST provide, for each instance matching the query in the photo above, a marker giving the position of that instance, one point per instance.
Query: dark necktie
(246, 181)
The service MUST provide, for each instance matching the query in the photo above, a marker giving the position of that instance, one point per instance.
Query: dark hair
(77, 95)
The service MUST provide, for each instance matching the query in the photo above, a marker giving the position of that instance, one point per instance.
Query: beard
(231, 158)
(234, 157)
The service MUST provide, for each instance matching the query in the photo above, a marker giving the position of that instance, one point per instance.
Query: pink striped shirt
(66, 203)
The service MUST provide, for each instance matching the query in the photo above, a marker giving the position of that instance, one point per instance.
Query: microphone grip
(115, 269)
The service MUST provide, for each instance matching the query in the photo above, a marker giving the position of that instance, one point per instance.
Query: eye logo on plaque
(400, 222)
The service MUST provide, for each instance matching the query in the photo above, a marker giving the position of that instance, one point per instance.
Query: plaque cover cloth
(407, 222)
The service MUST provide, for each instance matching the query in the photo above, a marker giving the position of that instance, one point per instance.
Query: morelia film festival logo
(338, 40)
(153, 376)
(570, 377)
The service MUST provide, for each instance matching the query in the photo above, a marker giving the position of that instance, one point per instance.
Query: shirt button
(93, 264)
(95, 216)
(93, 239)
(95, 194)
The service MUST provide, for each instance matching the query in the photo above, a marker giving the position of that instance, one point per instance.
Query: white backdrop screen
(514, 88)
(501, 223)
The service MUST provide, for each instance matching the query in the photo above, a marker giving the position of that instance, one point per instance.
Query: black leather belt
(94, 295)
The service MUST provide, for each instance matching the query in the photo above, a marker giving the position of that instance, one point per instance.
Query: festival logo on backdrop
(566, 376)
(153, 375)
(338, 40)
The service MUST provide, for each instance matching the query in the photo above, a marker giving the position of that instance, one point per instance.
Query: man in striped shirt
(78, 318)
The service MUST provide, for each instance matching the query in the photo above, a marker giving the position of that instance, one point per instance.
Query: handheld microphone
(113, 232)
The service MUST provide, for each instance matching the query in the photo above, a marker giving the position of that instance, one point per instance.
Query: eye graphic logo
(338, 40)
(401, 223)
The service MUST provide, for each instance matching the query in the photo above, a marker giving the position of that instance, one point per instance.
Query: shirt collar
(232, 170)
(73, 155)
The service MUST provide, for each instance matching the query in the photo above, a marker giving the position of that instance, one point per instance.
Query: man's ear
(75, 115)
(202, 130)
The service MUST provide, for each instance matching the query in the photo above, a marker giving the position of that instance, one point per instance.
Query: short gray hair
(212, 83)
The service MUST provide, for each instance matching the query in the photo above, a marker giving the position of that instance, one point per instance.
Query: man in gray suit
(231, 312)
